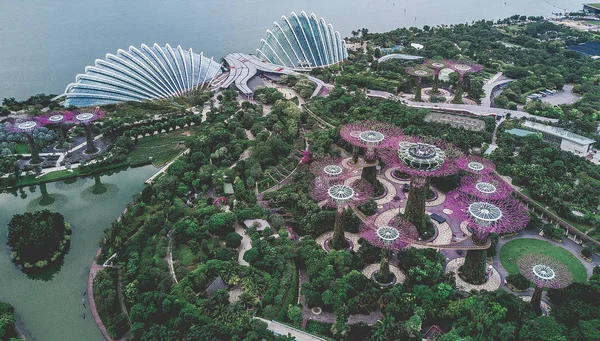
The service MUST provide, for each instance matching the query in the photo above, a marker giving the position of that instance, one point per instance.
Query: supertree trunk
(436, 83)
(418, 97)
(536, 300)
(338, 241)
(473, 271)
(370, 173)
(415, 205)
(35, 155)
(89, 139)
(354, 154)
(384, 275)
(459, 92)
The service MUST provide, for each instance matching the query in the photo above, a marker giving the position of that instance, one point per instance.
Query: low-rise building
(565, 139)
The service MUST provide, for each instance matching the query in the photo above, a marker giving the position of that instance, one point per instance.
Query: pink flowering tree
(371, 136)
(340, 194)
(484, 216)
(419, 72)
(421, 159)
(27, 126)
(59, 120)
(545, 272)
(436, 65)
(86, 119)
(462, 68)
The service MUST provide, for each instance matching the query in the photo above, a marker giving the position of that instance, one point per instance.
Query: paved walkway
(282, 329)
(94, 269)
(244, 246)
(169, 257)
(492, 284)
(164, 169)
(370, 269)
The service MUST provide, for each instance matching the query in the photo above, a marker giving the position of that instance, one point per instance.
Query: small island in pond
(38, 239)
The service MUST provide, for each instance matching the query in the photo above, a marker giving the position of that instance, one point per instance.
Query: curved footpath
(94, 269)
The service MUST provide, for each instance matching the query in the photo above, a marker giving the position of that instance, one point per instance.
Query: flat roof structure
(243, 67)
(558, 132)
(399, 56)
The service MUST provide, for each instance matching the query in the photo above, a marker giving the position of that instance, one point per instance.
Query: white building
(567, 140)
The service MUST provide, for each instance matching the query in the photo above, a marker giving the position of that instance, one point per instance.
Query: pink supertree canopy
(57, 117)
(475, 165)
(487, 215)
(436, 65)
(463, 67)
(398, 234)
(87, 118)
(26, 126)
(545, 271)
(486, 186)
(328, 167)
(420, 157)
(369, 134)
(340, 193)
(419, 71)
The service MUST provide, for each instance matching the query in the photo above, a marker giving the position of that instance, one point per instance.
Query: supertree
(422, 159)
(475, 165)
(99, 191)
(60, 120)
(462, 68)
(371, 135)
(436, 65)
(86, 120)
(396, 235)
(47, 201)
(27, 127)
(486, 186)
(484, 216)
(419, 71)
(545, 272)
(340, 195)
(328, 168)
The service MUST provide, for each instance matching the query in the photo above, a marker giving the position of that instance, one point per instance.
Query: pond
(49, 305)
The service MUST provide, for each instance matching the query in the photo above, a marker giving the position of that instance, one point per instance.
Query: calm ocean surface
(46, 43)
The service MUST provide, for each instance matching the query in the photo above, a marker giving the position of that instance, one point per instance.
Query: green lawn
(161, 148)
(22, 148)
(593, 22)
(513, 250)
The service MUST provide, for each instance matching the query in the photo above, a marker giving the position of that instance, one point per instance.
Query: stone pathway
(244, 246)
(492, 284)
(391, 192)
(388, 175)
(371, 268)
(463, 228)
(354, 237)
(444, 233)
(385, 217)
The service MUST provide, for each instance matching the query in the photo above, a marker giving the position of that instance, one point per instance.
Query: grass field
(513, 250)
(22, 148)
(161, 148)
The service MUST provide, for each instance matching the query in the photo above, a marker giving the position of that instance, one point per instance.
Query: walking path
(94, 269)
(169, 257)
(282, 329)
(164, 169)
(244, 246)
(492, 284)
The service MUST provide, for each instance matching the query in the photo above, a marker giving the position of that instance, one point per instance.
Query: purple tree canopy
(487, 186)
(339, 193)
(419, 71)
(328, 167)
(462, 67)
(475, 165)
(369, 134)
(421, 157)
(398, 234)
(505, 215)
(436, 64)
(87, 118)
(26, 126)
(57, 117)
(545, 271)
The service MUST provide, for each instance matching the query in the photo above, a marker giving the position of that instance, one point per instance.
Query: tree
(233, 240)
(37, 236)
(543, 328)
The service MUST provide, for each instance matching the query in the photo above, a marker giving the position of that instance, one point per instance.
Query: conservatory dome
(139, 74)
(302, 41)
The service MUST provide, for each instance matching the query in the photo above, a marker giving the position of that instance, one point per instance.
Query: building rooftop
(559, 132)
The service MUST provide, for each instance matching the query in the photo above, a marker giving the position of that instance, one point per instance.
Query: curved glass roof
(139, 74)
(302, 41)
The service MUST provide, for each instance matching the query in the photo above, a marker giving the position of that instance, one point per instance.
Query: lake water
(46, 43)
(49, 307)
